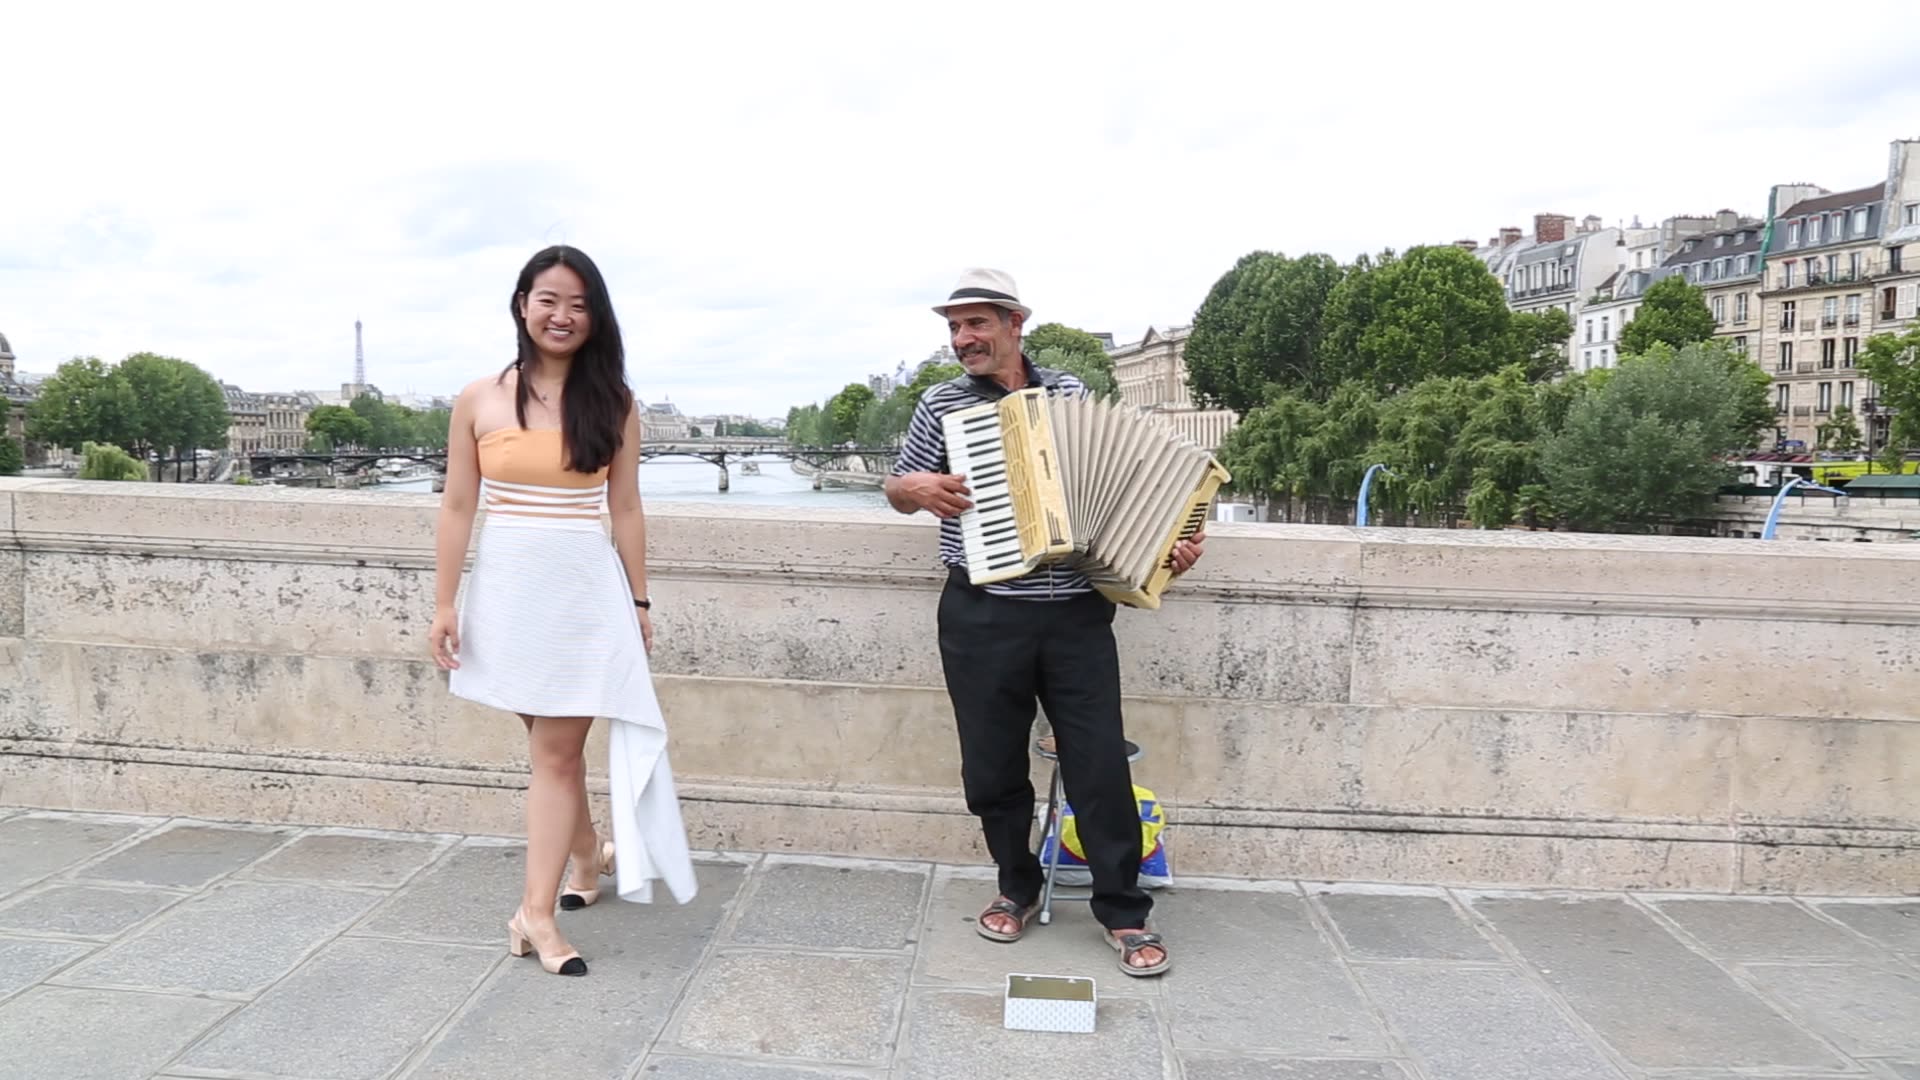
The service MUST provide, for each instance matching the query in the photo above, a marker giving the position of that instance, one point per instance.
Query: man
(1047, 636)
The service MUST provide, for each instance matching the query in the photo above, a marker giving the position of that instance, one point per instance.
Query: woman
(556, 625)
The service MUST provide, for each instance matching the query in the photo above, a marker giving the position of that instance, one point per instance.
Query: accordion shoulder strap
(988, 390)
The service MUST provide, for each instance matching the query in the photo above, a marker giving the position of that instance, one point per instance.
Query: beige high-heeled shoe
(575, 899)
(519, 944)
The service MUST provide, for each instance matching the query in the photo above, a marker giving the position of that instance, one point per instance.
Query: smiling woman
(547, 631)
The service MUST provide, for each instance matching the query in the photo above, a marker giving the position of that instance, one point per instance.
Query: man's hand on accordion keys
(940, 494)
(1188, 551)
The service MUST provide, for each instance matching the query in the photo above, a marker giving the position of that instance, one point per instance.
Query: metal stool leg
(1053, 853)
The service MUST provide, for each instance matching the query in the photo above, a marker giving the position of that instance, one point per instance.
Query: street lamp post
(1773, 514)
(1366, 483)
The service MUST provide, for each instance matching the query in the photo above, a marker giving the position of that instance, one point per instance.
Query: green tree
(1841, 433)
(1095, 371)
(13, 456)
(1260, 328)
(1672, 312)
(83, 401)
(1893, 363)
(179, 407)
(103, 461)
(844, 409)
(1433, 312)
(1055, 335)
(1539, 343)
(1649, 443)
(336, 426)
(804, 426)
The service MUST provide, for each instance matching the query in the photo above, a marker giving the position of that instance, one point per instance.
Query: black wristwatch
(643, 605)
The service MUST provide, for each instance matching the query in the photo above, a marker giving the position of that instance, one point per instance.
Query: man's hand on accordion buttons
(1187, 552)
(941, 494)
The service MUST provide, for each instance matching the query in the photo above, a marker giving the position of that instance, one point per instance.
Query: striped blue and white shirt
(925, 450)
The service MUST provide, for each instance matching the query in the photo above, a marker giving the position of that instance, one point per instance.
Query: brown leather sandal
(1004, 906)
(1130, 945)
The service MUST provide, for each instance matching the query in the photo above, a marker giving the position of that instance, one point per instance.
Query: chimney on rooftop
(1591, 223)
(1725, 219)
(1550, 228)
(1467, 245)
(1509, 236)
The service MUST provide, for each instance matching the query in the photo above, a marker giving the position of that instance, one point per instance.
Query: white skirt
(548, 628)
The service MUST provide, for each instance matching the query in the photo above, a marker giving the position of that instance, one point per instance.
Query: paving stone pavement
(162, 949)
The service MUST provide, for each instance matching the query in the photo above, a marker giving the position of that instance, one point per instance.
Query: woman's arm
(629, 519)
(454, 530)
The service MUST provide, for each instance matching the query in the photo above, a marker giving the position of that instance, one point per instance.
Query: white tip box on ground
(1059, 1003)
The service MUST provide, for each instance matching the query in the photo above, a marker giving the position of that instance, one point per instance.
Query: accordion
(1103, 488)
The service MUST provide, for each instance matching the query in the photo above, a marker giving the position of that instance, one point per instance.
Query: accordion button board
(1100, 487)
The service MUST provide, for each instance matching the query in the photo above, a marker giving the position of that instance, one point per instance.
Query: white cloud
(776, 192)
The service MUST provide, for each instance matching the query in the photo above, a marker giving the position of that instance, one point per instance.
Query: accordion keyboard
(989, 533)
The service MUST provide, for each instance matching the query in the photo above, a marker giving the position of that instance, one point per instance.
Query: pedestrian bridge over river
(1314, 702)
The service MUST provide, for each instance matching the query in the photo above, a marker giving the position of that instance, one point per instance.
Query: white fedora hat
(978, 286)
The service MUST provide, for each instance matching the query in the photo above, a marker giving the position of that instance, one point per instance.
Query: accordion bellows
(1102, 487)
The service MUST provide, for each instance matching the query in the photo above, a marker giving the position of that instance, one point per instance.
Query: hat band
(982, 294)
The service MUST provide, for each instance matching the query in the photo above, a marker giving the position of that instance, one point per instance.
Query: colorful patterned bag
(1155, 871)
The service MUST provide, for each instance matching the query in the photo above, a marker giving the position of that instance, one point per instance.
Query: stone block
(147, 1031)
(1251, 972)
(1569, 661)
(1866, 1010)
(1659, 1003)
(1895, 925)
(24, 962)
(1831, 772)
(663, 1067)
(185, 856)
(1760, 929)
(355, 1011)
(744, 1004)
(466, 897)
(1480, 1024)
(348, 859)
(89, 911)
(639, 957)
(33, 846)
(833, 907)
(1838, 865)
(1265, 1068)
(13, 593)
(1389, 926)
(237, 939)
(959, 1035)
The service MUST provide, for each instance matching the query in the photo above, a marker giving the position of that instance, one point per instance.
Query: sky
(777, 192)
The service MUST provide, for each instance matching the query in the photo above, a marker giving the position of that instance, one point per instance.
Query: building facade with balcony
(246, 420)
(1725, 265)
(1151, 375)
(1823, 258)
(1596, 338)
(1563, 268)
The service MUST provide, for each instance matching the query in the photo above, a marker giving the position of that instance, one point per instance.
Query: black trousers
(1002, 656)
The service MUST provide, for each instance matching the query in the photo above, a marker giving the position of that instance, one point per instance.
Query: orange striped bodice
(523, 474)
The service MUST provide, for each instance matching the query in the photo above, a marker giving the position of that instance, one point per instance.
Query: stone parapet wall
(1314, 702)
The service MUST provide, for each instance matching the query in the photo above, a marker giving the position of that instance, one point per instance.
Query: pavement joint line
(1538, 981)
(812, 1065)
(671, 1019)
(438, 1033)
(1736, 973)
(1342, 952)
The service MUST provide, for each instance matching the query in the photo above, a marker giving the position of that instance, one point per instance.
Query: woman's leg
(585, 848)
(556, 748)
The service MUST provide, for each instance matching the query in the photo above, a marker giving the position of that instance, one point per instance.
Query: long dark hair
(596, 397)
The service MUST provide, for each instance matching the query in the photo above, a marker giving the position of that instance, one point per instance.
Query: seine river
(696, 481)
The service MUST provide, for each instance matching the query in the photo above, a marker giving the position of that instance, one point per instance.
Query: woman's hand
(443, 637)
(646, 629)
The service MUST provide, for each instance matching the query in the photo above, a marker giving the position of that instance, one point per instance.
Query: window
(1853, 266)
(1740, 344)
(1826, 354)
(1893, 259)
(1887, 302)
(1719, 309)
(1740, 308)
(1860, 221)
(1826, 397)
(1743, 265)
(1586, 360)
(1851, 350)
(1813, 231)
(1589, 331)
(1782, 396)
(1786, 274)
(1853, 309)
(1787, 315)
(1786, 356)
(1846, 395)
(1606, 331)
(1719, 241)
(1830, 312)
(1793, 234)
(1836, 225)
(1912, 216)
(1719, 269)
